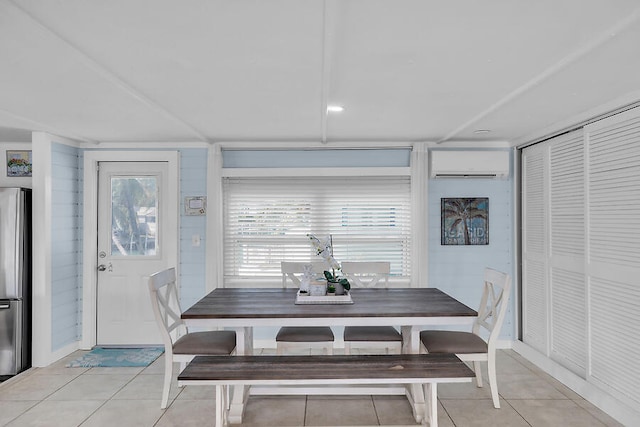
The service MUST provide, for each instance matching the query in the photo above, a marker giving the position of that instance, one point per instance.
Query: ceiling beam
(328, 40)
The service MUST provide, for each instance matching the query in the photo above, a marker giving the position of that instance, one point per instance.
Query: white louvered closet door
(567, 283)
(613, 258)
(535, 310)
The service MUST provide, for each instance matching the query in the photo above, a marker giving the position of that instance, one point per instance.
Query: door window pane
(134, 207)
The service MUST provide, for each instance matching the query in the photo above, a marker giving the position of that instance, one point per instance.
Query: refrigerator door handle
(4, 306)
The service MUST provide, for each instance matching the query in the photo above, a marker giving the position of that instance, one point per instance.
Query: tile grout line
(516, 411)
(108, 399)
(375, 409)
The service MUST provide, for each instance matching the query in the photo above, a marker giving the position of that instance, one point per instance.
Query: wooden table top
(272, 303)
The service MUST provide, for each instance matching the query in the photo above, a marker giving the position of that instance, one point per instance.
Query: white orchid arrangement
(324, 249)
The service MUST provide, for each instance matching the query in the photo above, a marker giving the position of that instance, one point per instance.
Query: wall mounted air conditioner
(469, 164)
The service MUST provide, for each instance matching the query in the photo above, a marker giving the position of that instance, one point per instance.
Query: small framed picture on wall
(18, 163)
(465, 221)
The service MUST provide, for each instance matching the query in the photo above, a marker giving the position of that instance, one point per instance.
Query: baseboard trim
(63, 352)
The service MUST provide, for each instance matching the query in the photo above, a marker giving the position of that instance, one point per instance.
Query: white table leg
(244, 346)
(431, 393)
(415, 393)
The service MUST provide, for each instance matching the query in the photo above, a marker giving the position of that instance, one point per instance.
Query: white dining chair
(386, 338)
(291, 338)
(470, 346)
(180, 345)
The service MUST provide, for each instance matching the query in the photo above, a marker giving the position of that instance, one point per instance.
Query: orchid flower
(324, 249)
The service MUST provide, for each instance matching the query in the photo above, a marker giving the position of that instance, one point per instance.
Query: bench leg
(431, 404)
(415, 394)
(240, 393)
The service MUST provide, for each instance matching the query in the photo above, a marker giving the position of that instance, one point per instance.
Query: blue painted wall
(315, 158)
(66, 221)
(66, 245)
(455, 269)
(458, 270)
(193, 182)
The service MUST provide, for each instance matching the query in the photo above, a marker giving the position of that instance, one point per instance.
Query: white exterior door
(137, 230)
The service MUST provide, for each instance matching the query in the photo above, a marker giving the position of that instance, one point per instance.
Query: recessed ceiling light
(480, 131)
(335, 109)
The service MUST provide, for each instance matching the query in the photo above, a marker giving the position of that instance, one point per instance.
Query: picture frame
(19, 163)
(464, 221)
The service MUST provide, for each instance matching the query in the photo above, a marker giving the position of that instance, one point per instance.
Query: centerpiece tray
(323, 299)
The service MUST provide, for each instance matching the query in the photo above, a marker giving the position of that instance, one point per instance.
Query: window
(267, 221)
(134, 203)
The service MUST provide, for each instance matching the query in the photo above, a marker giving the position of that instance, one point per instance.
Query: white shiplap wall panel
(534, 265)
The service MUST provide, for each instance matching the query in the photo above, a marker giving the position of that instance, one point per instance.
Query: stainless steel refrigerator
(15, 280)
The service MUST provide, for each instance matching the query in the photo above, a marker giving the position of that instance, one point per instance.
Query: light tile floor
(127, 397)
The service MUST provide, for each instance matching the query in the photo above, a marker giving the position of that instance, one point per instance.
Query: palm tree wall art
(465, 221)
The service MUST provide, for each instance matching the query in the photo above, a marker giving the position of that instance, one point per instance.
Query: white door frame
(90, 225)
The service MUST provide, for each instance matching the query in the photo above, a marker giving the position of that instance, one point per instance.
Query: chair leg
(493, 380)
(478, 371)
(168, 373)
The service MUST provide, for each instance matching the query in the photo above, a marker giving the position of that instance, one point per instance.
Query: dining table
(410, 309)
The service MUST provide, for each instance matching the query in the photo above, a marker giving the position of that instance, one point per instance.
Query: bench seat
(421, 369)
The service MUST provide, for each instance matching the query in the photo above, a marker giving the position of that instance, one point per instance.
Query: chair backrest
(367, 274)
(494, 304)
(166, 305)
(292, 271)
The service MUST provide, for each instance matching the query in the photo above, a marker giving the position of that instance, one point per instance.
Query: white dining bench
(426, 370)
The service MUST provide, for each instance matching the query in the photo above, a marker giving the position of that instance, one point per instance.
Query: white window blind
(267, 221)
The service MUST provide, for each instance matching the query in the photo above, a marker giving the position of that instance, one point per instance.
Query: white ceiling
(264, 70)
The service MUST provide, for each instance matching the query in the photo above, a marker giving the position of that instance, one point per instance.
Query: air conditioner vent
(469, 164)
